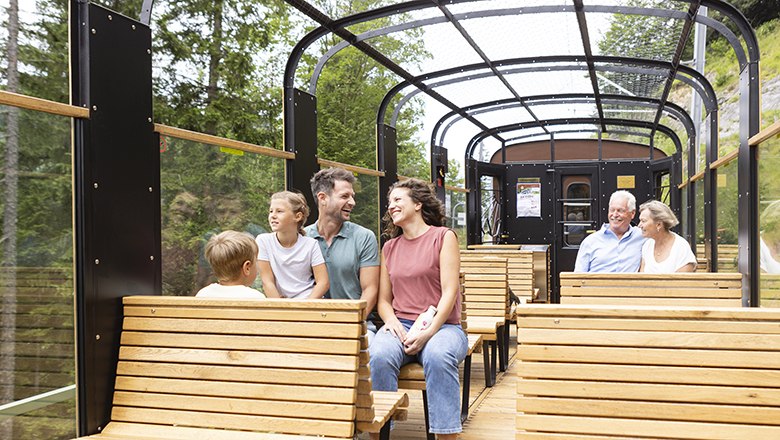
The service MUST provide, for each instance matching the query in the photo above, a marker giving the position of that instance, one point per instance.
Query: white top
(217, 290)
(768, 264)
(680, 255)
(292, 267)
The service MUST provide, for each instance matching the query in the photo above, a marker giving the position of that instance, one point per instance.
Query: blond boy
(233, 258)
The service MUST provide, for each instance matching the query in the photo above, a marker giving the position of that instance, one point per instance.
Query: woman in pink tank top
(420, 267)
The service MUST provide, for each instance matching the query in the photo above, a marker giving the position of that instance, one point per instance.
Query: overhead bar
(217, 141)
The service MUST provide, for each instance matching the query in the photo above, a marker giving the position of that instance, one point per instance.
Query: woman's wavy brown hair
(420, 192)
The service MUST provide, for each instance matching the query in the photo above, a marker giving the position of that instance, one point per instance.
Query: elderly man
(617, 247)
(351, 251)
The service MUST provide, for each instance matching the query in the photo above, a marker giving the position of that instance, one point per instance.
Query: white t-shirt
(217, 290)
(292, 267)
(680, 255)
(768, 264)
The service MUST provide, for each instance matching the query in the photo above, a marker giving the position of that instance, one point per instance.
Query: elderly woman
(663, 250)
(420, 267)
(770, 238)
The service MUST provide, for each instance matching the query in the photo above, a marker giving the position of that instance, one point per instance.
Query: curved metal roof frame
(338, 27)
(671, 109)
(593, 121)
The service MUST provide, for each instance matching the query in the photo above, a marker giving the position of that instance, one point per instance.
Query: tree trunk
(11, 178)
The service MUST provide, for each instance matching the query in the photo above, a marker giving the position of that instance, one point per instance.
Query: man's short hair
(325, 180)
(624, 195)
(227, 252)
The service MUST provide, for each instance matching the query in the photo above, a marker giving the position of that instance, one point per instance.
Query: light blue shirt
(352, 248)
(602, 251)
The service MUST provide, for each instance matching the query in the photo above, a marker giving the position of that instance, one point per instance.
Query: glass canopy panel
(492, 5)
(624, 133)
(565, 111)
(631, 81)
(627, 111)
(439, 47)
(527, 35)
(680, 95)
(663, 142)
(498, 117)
(636, 36)
(550, 83)
(474, 91)
(414, 16)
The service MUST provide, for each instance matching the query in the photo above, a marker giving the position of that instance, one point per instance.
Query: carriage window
(576, 209)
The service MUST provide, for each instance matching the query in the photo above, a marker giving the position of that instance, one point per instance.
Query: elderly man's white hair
(622, 194)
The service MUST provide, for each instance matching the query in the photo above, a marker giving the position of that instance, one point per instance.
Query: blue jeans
(371, 331)
(440, 358)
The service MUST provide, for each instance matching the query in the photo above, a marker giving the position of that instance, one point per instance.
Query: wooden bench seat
(648, 372)
(487, 295)
(676, 289)
(245, 369)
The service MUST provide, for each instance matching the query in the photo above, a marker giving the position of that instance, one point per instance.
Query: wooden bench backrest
(520, 269)
(727, 257)
(284, 366)
(769, 285)
(677, 289)
(649, 372)
(485, 285)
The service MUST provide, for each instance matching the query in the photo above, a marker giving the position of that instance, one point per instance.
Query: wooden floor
(491, 411)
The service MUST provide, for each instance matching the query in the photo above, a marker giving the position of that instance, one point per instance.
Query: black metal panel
(300, 137)
(473, 227)
(643, 187)
(711, 196)
(387, 149)
(530, 230)
(747, 176)
(117, 193)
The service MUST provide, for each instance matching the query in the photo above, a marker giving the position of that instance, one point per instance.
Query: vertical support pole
(747, 176)
(473, 206)
(300, 137)
(439, 168)
(387, 155)
(711, 194)
(116, 178)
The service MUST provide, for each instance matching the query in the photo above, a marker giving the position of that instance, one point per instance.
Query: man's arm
(369, 285)
(583, 257)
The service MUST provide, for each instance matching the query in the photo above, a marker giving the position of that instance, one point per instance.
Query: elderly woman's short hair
(660, 213)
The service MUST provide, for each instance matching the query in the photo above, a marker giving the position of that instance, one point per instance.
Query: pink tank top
(413, 266)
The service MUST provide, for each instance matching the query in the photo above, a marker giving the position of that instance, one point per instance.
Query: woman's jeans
(440, 358)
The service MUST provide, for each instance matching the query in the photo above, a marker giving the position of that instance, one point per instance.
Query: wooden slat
(765, 134)
(268, 375)
(696, 313)
(234, 421)
(322, 305)
(242, 358)
(653, 301)
(233, 342)
(248, 313)
(644, 428)
(651, 410)
(710, 326)
(42, 105)
(154, 432)
(281, 408)
(243, 327)
(237, 389)
(352, 168)
(666, 291)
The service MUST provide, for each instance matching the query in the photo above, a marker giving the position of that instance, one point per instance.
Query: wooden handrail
(684, 184)
(725, 160)
(761, 136)
(42, 105)
(697, 176)
(353, 168)
(217, 141)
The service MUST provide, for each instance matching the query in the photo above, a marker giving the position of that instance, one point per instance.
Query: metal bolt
(149, 51)
(94, 107)
(110, 17)
(154, 311)
(97, 261)
(133, 26)
(557, 321)
(94, 31)
(151, 257)
(95, 185)
(150, 189)
(148, 119)
(97, 337)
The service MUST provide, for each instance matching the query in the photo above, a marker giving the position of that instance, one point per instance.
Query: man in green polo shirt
(351, 251)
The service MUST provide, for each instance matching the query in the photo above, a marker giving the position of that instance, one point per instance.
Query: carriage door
(576, 211)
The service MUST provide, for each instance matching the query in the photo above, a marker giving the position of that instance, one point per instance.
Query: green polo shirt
(352, 248)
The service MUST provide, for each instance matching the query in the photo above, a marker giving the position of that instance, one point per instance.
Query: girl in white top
(291, 265)
(663, 251)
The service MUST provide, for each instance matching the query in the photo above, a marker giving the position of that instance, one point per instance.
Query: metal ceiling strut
(583, 24)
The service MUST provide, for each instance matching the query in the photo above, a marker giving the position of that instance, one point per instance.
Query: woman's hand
(395, 327)
(414, 344)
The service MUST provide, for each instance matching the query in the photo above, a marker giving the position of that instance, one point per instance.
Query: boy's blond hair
(227, 252)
